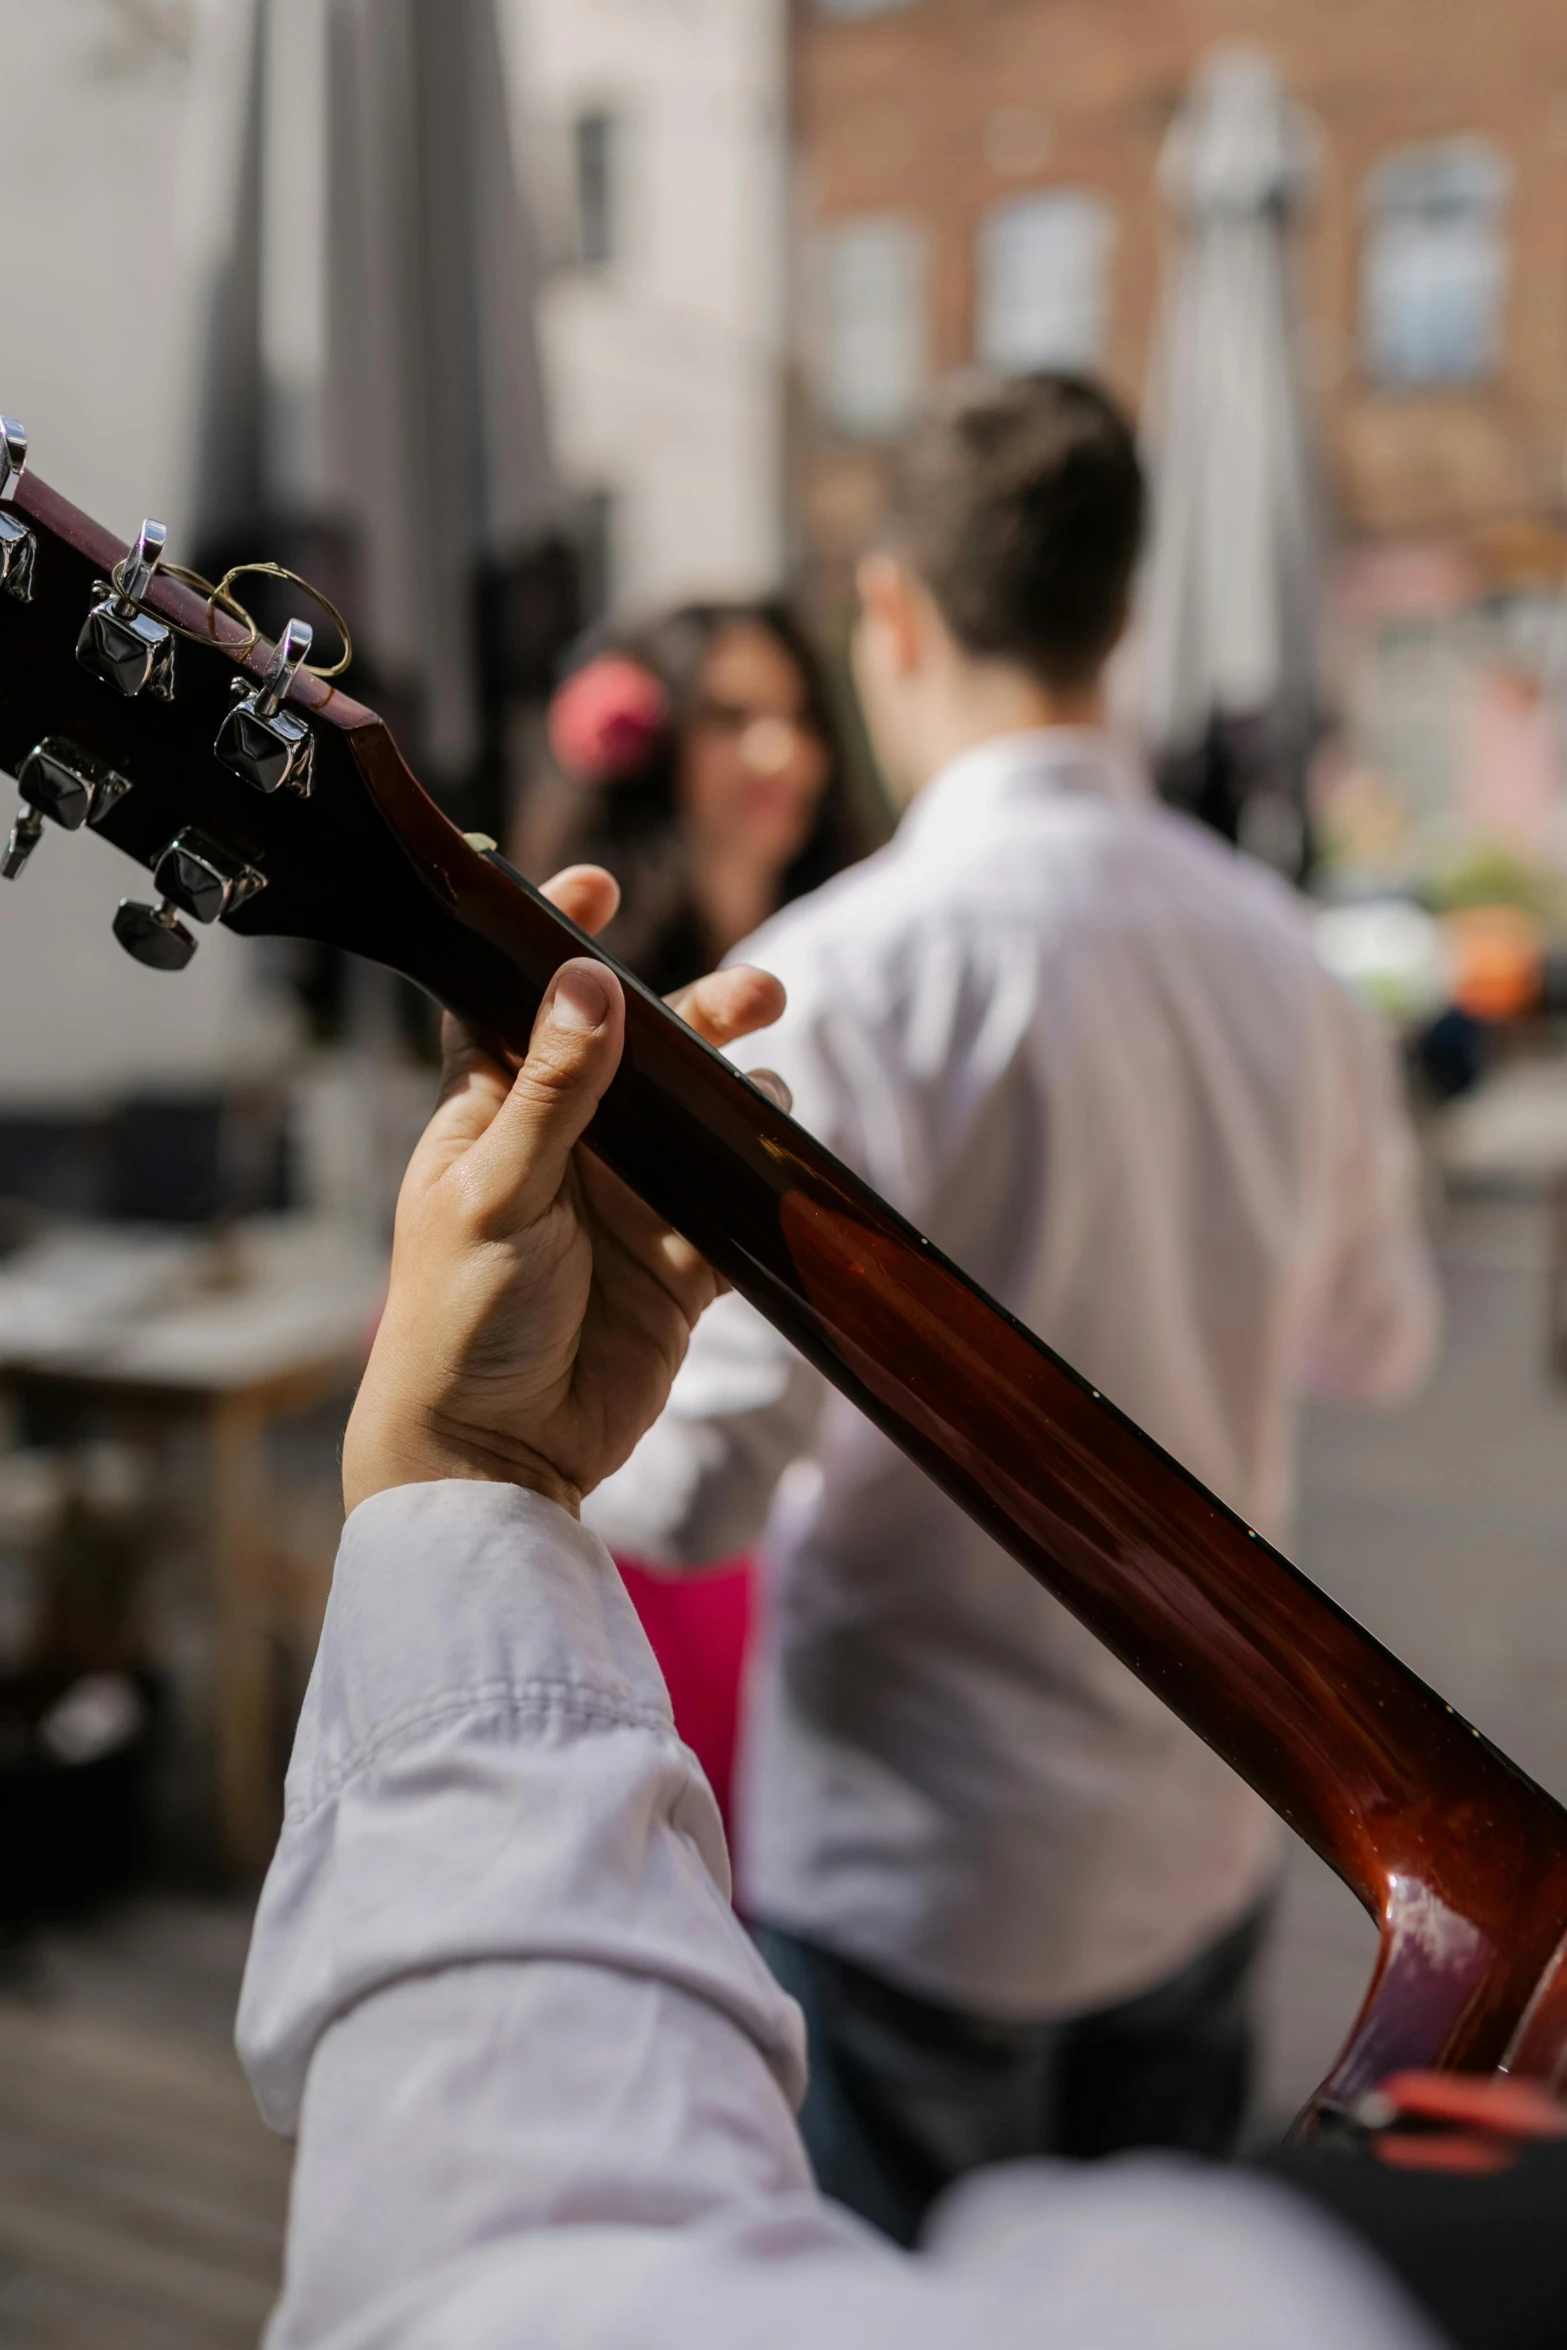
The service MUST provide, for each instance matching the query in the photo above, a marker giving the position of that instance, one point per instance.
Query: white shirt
(542, 2083)
(1092, 1053)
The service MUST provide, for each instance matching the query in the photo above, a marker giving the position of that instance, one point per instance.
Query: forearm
(1380, 1333)
(501, 2104)
(486, 1770)
(1375, 1315)
(496, 1986)
(694, 1495)
(699, 1487)
(540, 2079)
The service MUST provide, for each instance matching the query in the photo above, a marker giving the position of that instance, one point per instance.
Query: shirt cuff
(486, 1768)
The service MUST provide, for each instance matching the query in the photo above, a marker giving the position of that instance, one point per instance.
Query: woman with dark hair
(705, 772)
(707, 776)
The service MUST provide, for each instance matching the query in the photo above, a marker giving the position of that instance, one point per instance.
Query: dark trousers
(906, 2096)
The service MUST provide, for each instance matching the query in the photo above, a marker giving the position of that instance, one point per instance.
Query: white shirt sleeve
(700, 1485)
(540, 2078)
(1375, 1329)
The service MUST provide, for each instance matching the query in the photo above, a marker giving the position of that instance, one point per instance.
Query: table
(273, 1320)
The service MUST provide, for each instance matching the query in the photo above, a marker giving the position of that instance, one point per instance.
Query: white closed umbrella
(1230, 647)
(370, 181)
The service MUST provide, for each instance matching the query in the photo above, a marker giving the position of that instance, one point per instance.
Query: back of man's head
(1019, 503)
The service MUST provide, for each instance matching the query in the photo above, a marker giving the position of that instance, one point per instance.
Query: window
(1434, 272)
(874, 356)
(596, 153)
(1044, 281)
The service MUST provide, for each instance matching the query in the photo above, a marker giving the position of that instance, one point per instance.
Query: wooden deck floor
(141, 2197)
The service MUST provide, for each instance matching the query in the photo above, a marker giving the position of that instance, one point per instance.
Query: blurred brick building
(978, 178)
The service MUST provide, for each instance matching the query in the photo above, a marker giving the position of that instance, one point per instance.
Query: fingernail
(579, 1000)
(769, 1082)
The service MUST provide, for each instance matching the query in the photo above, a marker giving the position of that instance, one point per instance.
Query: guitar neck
(1340, 1738)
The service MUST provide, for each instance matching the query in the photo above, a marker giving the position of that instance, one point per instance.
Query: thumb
(520, 1161)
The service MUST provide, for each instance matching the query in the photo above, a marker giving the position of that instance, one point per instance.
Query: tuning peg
(120, 643)
(195, 877)
(263, 744)
(155, 935)
(24, 839)
(61, 782)
(67, 785)
(18, 547)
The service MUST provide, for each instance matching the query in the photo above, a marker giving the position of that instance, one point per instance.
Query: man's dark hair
(1020, 502)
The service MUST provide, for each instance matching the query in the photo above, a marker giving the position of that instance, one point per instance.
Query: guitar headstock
(253, 792)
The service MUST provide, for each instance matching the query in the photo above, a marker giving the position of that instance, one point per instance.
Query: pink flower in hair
(605, 722)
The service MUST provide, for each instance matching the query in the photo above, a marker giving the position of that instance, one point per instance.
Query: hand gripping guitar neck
(319, 831)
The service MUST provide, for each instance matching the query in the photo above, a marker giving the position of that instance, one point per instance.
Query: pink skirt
(698, 1627)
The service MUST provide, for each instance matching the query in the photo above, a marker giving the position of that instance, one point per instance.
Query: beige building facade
(654, 137)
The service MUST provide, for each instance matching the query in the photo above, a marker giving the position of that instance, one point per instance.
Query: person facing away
(1090, 1051)
(703, 767)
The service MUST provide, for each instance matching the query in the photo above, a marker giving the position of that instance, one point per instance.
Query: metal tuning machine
(67, 785)
(195, 877)
(260, 741)
(18, 547)
(127, 647)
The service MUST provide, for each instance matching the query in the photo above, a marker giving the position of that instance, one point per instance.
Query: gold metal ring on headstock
(217, 598)
(221, 598)
(220, 594)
